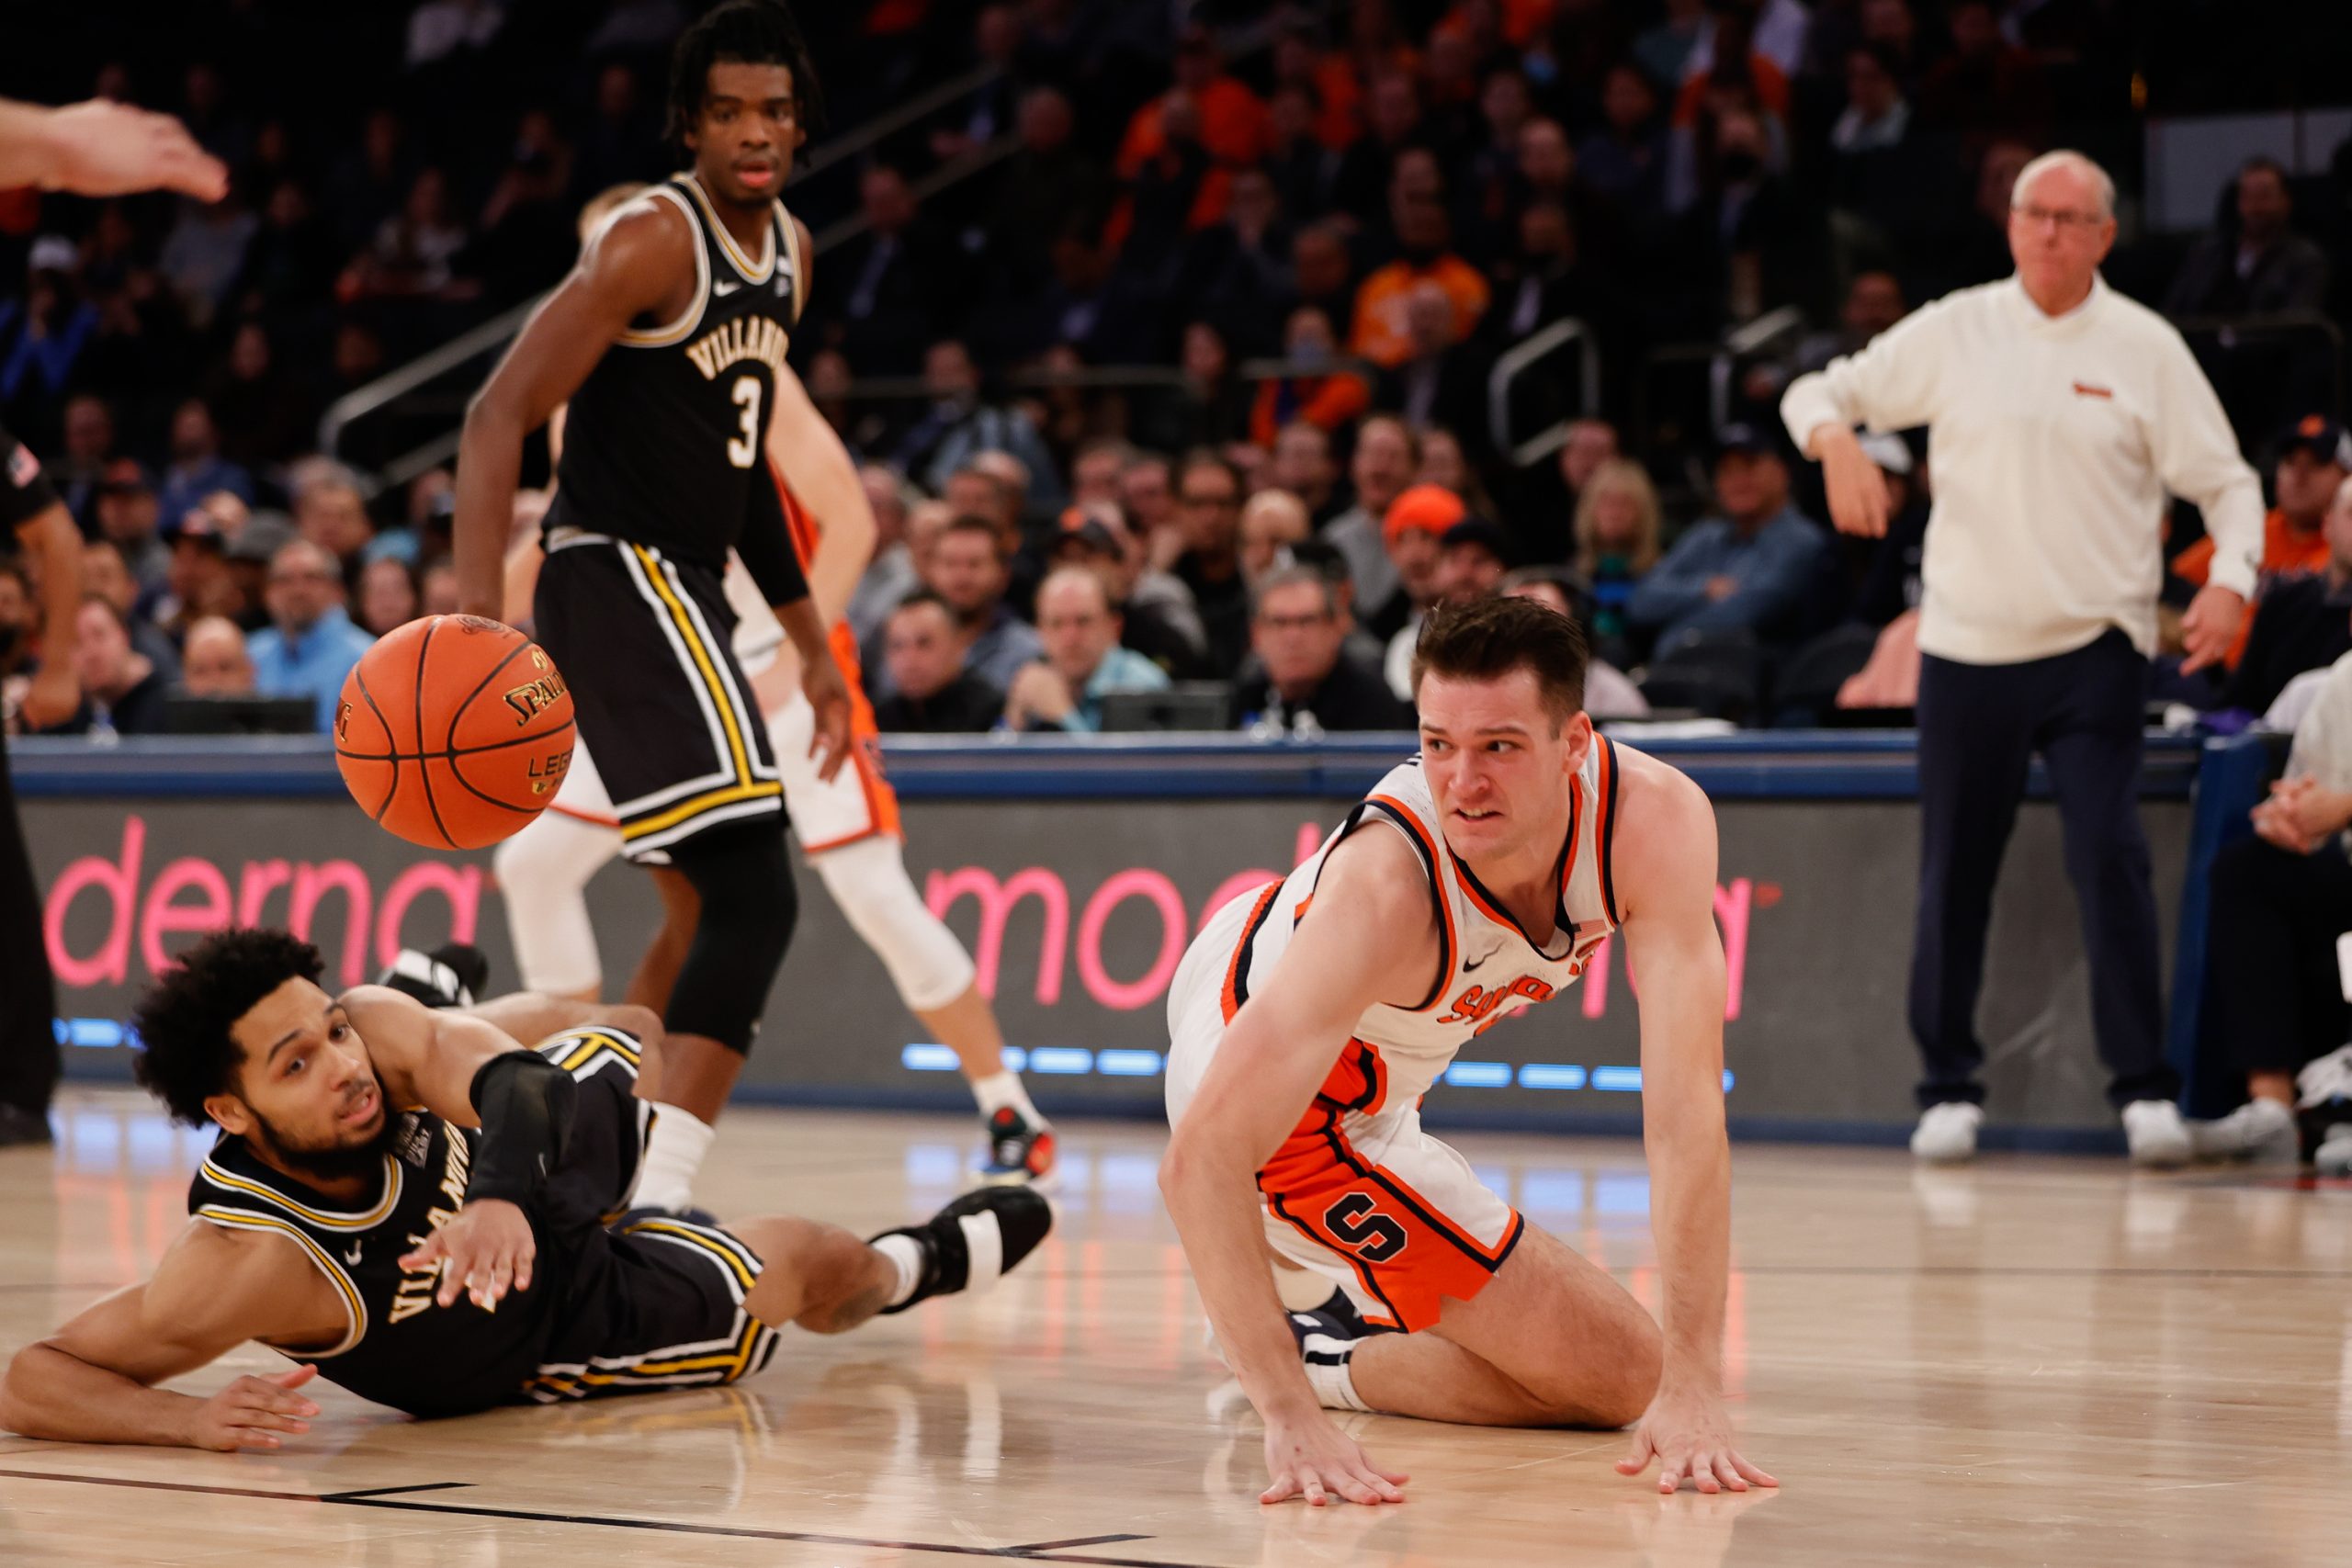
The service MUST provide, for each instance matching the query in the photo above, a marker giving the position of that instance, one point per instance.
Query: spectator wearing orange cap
(1413, 532)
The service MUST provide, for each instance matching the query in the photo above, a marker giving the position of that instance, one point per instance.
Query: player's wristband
(525, 1101)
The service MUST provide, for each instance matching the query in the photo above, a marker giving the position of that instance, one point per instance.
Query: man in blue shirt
(309, 645)
(1083, 660)
(1752, 567)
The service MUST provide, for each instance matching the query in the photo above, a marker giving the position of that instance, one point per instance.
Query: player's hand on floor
(829, 696)
(484, 1252)
(1311, 1458)
(1688, 1434)
(250, 1412)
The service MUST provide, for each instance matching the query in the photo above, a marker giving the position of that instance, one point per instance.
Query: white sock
(1334, 1383)
(1000, 1090)
(905, 1254)
(674, 1155)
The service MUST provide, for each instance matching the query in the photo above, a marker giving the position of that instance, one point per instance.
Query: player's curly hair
(742, 32)
(1487, 638)
(187, 1055)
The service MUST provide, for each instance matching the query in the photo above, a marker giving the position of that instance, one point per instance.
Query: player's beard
(327, 1163)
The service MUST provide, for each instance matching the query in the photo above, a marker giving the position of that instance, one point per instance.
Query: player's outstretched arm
(467, 1071)
(808, 450)
(636, 265)
(93, 1380)
(1370, 937)
(99, 148)
(1666, 874)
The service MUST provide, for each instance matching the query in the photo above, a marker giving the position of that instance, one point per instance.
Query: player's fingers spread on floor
(1637, 1458)
(1727, 1472)
(1314, 1498)
(1669, 1474)
(1753, 1473)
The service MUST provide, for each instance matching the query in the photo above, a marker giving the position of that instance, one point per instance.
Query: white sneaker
(2261, 1130)
(1947, 1133)
(2158, 1137)
(2335, 1156)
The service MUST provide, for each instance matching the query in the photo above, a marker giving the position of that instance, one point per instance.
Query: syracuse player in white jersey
(1312, 1014)
(848, 826)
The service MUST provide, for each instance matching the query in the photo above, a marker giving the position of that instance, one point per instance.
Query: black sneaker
(22, 1128)
(451, 975)
(1328, 1338)
(976, 1240)
(1021, 1152)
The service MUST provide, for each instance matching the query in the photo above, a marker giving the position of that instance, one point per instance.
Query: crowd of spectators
(1382, 195)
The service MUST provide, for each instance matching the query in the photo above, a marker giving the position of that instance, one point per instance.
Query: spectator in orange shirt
(1326, 402)
(1383, 334)
(1233, 123)
(2314, 458)
(1327, 80)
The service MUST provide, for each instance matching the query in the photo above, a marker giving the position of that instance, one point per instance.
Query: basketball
(454, 732)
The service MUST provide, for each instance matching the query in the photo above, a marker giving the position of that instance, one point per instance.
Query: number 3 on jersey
(1354, 1220)
(743, 451)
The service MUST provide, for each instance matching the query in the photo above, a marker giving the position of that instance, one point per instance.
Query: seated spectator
(1470, 560)
(1382, 332)
(1624, 160)
(1386, 460)
(80, 466)
(1394, 128)
(1208, 496)
(1879, 168)
(1235, 275)
(1272, 522)
(205, 253)
(1148, 493)
(309, 645)
(196, 468)
(1617, 526)
(960, 424)
(2301, 622)
(1320, 399)
(1440, 381)
(891, 575)
(122, 693)
(1050, 185)
(128, 515)
(105, 577)
(1303, 466)
(1751, 566)
(968, 570)
(1444, 464)
(1211, 406)
(928, 688)
(2314, 459)
(1217, 111)
(389, 596)
(415, 250)
(216, 663)
(332, 515)
(1157, 615)
(881, 299)
(1300, 681)
(2274, 1000)
(251, 550)
(1083, 660)
(2259, 265)
(1325, 269)
(1094, 470)
(1609, 692)
(1988, 86)
(438, 589)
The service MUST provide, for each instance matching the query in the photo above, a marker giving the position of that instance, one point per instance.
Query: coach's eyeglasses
(2034, 213)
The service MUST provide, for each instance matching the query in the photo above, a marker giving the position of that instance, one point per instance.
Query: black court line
(382, 1498)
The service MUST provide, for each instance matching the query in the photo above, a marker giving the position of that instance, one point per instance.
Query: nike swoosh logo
(1469, 968)
(725, 288)
(352, 1257)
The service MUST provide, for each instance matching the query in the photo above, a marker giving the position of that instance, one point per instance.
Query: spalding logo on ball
(454, 732)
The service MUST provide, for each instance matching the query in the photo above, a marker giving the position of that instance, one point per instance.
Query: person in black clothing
(1302, 680)
(1208, 510)
(931, 693)
(667, 345)
(122, 691)
(2300, 622)
(410, 1200)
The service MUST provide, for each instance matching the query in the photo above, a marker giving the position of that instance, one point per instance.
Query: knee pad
(543, 873)
(749, 906)
(868, 879)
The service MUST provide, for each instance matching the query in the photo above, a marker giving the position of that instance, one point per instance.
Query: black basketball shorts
(645, 642)
(649, 1304)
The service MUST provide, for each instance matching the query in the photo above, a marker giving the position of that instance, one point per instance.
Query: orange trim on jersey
(1575, 823)
(1603, 825)
(798, 527)
(1231, 999)
(1433, 858)
(593, 818)
(881, 802)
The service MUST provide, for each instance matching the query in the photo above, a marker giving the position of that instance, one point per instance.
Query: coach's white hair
(2067, 158)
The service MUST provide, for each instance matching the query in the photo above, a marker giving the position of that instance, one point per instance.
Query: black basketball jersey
(401, 1348)
(669, 431)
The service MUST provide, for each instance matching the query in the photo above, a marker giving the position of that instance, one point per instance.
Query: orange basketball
(454, 732)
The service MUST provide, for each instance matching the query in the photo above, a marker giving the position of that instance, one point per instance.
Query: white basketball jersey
(758, 633)
(1488, 967)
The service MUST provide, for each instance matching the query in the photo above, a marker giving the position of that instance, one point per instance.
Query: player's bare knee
(640, 1021)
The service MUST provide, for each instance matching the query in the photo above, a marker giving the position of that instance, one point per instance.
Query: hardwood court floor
(2032, 1361)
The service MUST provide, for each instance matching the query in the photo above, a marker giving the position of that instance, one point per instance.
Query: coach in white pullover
(2059, 415)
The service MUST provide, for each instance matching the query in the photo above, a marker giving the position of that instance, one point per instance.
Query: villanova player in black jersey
(412, 1203)
(668, 343)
